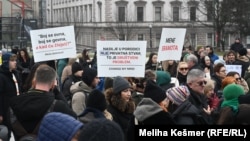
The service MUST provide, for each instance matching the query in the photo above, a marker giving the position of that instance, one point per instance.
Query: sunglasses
(201, 83)
(238, 79)
(182, 69)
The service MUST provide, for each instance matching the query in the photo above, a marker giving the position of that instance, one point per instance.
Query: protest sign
(121, 58)
(236, 68)
(53, 43)
(171, 44)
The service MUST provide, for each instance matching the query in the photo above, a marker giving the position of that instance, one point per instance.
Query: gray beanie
(120, 84)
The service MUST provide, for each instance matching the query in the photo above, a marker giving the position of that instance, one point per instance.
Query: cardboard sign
(121, 58)
(236, 68)
(53, 43)
(171, 44)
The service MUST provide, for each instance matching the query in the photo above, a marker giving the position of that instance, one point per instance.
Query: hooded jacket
(31, 107)
(79, 91)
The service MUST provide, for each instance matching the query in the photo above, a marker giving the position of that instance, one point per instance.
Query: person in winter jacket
(29, 108)
(10, 86)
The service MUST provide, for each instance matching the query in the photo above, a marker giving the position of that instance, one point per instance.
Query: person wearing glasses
(240, 81)
(182, 71)
(196, 82)
(218, 75)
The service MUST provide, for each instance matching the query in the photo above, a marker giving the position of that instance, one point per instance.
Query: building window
(192, 13)
(193, 39)
(139, 14)
(157, 40)
(90, 13)
(85, 13)
(210, 39)
(100, 10)
(140, 37)
(122, 37)
(175, 14)
(121, 14)
(157, 13)
(209, 7)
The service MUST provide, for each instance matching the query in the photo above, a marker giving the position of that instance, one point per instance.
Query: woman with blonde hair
(182, 71)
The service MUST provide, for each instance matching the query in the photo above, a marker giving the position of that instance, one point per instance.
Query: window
(175, 14)
(157, 40)
(210, 39)
(193, 39)
(209, 11)
(100, 10)
(122, 37)
(139, 14)
(157, 13)
(90, 13)
(121, 14)
(140, 37)
(192, 13)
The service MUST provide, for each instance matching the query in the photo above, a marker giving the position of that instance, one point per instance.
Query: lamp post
(150, 34)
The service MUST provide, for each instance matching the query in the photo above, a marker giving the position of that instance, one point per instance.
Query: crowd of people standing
(67, 100)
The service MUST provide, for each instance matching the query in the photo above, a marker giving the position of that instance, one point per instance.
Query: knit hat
(178, 95)
(89, 75)
(120, 84)
(5, 59)
(153, 91)
(163, 78)
(231, 93)
(96, 99)
(101, 130)
(56, 126)
(76, 67)
(243, 51)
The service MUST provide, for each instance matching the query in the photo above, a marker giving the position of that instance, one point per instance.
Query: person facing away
(29, 108)
(57, 126)
(101, 130)
(76, 76)
(9, 86)
(96, 107)
(81, 89)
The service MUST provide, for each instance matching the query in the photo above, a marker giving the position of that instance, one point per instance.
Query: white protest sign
(236, 68)
(53, 43)
(121, 58)
(171, 44)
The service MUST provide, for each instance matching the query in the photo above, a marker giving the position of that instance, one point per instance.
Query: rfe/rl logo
(170, 40)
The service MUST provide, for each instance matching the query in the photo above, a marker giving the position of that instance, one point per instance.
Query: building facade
(129, 20)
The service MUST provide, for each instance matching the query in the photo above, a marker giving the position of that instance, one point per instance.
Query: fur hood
(117, 102)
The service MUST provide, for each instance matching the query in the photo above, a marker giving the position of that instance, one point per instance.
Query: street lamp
(150, 33)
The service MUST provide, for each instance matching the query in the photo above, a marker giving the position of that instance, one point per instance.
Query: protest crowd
(65, 100)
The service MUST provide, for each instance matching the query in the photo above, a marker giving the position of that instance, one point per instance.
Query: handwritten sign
(53, 43)
(171, 44)
(123, 58)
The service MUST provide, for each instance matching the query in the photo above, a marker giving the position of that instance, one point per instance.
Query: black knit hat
(76, 67)
(101, 130)
(89, 75)
(153, 91)
(120, 84)
(96, 99)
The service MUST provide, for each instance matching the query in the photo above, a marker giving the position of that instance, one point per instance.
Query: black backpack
(20, 132)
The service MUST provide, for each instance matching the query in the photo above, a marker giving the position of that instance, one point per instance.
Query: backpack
(86, 97)
(20, 132)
